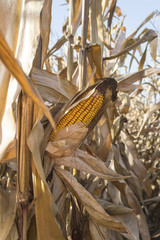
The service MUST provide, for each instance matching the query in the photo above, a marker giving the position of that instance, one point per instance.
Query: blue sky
(135, 10)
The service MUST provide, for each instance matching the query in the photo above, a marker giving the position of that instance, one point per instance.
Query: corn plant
(79, 140)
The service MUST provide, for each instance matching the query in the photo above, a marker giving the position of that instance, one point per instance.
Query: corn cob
(86, 110)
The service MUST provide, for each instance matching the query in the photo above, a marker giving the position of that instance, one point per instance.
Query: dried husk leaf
(67, 140)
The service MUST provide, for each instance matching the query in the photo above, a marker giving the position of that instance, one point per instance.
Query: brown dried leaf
(7, 212)
(47, 227)
(96, 22)
(43, 204)
(128, 79)
(148, 36)
(10, 62)
(16, 28)
(95, 59)
(57, 46)
(118, 11)
(10, 154)
(77, 16)
(153, 48)
(125, 103)
(84, 162)
(91, 205)
(133, 203)
(147, 116)
(45, 27)
(50, 88)
(124, 214)
(143, 58)
(142, 24)
(136, 164)
(97, 231)
(111, 12)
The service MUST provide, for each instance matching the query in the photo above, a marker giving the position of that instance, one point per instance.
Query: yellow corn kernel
(84, 112)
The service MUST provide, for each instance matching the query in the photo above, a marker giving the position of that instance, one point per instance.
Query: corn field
(79, 130)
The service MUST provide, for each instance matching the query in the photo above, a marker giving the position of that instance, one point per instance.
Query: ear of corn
(83, 112)
(87, 109)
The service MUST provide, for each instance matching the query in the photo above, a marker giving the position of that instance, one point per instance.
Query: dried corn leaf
(76, 18)
(91, 205)
(45, 27)
(8, 59)
(148, 115)
(124, 214)
(50, 88)
(98, 231)
(111, 12)
(125, 103)
(128, 79)
(143, 58)
(96, 23)
(7, 212)
(136, 164)
(153, 48)
(142, 24)
(89, 164)
(10, 153)
(134, 203)
(148, 36)
(7, 130)
(45, 221)
(57, 46)
(118, 11)
(43, 204)
(95, 59)
(16, 28)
